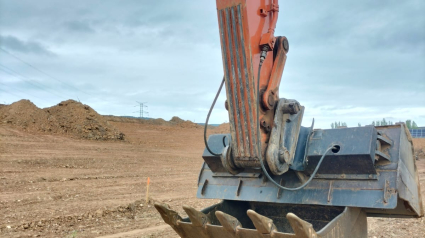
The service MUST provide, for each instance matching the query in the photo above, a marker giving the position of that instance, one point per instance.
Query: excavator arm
(253, 63)
(277, 178)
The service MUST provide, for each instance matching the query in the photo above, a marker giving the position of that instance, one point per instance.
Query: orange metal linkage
(246, 27)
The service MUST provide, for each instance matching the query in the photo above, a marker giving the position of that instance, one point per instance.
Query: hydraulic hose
(263, 168)
(208, 118)
(274, 18)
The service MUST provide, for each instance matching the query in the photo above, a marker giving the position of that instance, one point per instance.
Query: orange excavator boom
(277, 178)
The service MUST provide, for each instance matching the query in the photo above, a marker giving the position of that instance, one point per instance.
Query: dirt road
(57, 186)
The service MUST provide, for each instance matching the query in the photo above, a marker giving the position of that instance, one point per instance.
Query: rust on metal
(241, 32)
(330, 191)
(279, 191)
(218, 224)
(204, 186)
(238, 190)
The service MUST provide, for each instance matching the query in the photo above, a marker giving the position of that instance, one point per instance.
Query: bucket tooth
(301, 228)
(228, 222)
(264, 225)
(170, 217)
(196, 217)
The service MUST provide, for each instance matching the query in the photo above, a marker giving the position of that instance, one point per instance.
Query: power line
(42, 87)
(10, 92)
(142, 107)
(28, 80)
(41, 71)
(19, 91)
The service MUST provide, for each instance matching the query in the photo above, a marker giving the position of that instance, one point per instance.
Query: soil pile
(184, 124)
(149, 121)
(419, 145)
(222, 129)
(68, 117)
(175, 121)
(26, 115)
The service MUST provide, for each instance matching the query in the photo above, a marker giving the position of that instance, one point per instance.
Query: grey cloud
(15, 44)
(344, 55)
(79, 26)
(176, 22)
(363, 25)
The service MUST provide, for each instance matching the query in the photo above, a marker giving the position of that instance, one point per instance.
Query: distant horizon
(349, 61)
(199, 123)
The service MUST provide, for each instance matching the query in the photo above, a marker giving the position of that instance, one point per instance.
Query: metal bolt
(285, 44)
(271, 101)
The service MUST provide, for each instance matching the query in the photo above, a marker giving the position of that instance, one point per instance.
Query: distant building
(418, 132)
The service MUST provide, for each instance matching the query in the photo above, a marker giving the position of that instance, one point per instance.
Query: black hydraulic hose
(208, 118)
(263, 168)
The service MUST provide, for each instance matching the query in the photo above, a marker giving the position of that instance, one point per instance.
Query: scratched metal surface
(251, 219)
(383, 195)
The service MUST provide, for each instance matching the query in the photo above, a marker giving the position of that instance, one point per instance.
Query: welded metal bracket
(382, 146)
(284, 136)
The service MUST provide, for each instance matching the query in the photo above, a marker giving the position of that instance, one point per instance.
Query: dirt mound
(419, 146)
(222, 129)
(184, 124)
(76, 118)
(175, 121)
(158, 121)
(26, 115)
(68, 117)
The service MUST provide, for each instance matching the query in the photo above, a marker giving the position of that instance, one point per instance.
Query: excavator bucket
(373, 169)
(230, 219)
(277, 178)
(332, 205)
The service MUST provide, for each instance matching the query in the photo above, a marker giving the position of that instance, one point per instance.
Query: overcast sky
(350, 61)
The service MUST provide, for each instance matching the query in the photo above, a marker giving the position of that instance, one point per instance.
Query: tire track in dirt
(58, 186)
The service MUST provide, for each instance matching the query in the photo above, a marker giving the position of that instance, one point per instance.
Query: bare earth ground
(56, 186)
